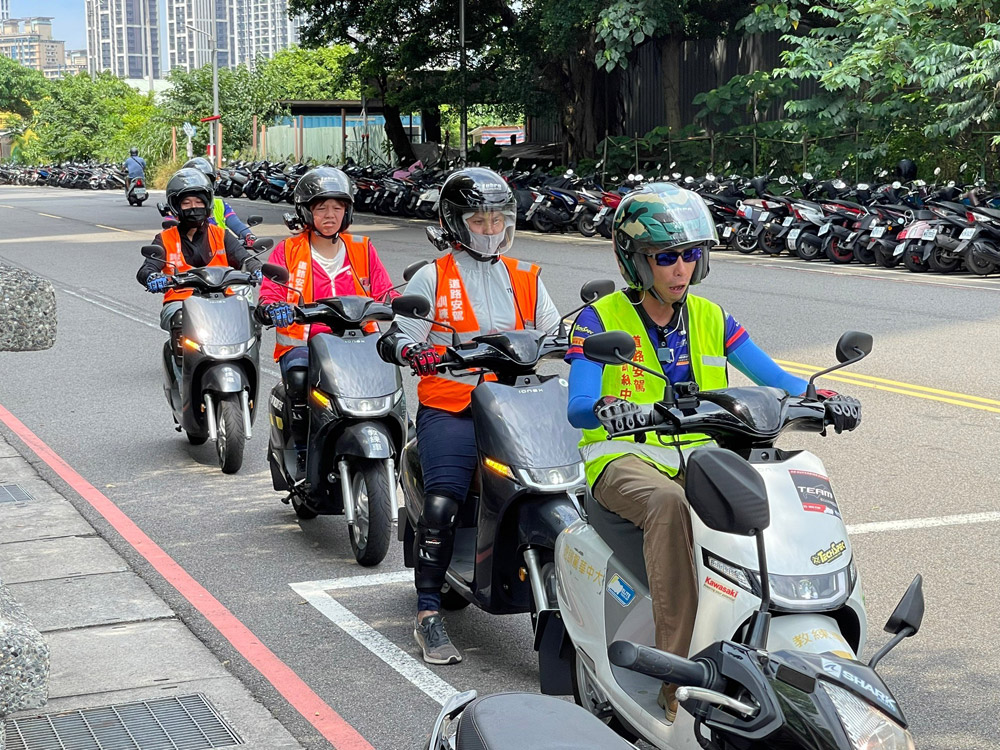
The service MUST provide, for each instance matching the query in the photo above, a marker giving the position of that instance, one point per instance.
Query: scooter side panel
(350, 367)
(217, 321)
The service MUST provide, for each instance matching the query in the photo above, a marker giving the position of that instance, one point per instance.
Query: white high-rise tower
(123, 36)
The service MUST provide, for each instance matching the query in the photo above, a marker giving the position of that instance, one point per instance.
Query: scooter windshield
(217, 321)
(350, 367)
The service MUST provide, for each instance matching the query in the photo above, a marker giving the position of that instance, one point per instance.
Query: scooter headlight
(223, 351)
(809, 593)
(867, 728)
(366, 407)
(554, 478)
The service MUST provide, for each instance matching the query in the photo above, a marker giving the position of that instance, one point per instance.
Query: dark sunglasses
(668, 259)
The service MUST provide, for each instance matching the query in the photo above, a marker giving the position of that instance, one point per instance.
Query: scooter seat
(522, 720)
(621, 535)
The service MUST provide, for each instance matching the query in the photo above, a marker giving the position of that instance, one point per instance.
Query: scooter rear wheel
(372, 526)
(976, 263)
(835, 251)
(585, 224)
(745, 240)
(542, 223)
(912, 259)
(807, 250)
(196, 439)
(942, 262)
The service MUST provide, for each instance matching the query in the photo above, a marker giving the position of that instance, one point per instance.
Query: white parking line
(923, 523)
(317, 593)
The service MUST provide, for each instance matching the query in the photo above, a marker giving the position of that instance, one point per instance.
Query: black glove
(618, 415)
(422, 357)
(280, 314)
(843, 412)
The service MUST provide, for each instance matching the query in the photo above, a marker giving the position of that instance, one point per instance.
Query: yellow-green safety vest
(707, 348)
(219, 212)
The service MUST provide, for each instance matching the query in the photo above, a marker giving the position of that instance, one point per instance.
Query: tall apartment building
(123, 36)
(4, 10)
(245, 29)
(30, 42)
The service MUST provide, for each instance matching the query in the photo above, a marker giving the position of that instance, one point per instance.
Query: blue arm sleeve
(584, 390)
(235, 224)
(753, 362)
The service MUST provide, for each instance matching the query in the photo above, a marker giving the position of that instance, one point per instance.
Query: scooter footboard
(810, 632)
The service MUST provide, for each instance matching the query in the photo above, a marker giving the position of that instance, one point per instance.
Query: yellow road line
(909, 386)
(49, 215)
(969, 404)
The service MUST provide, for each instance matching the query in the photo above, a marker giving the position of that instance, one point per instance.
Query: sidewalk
(113, 641)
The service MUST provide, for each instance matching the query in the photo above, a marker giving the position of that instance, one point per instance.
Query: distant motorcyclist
(906, 170)
(194, 243)
(136, 167)
(222, 214)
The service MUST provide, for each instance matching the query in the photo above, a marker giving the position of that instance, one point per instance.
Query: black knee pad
(434, 541)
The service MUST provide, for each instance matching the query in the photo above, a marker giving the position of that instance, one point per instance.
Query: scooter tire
(833, 248)
(303, 511)
(940, 263)
(771, 244)
(912, 262)
(371, 547)
(274, 197)
(806, 250)
(862, 253)
(885, 258)
(604, 229)
(745, 241)
(977, 264)
(585, 224)
(231, 437)
(196, 439)
(542, 224)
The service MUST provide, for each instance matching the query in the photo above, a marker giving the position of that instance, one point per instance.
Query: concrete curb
(24, 661)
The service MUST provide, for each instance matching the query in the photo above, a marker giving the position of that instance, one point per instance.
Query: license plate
(765, 216)
(602, 213)
(788, 221)
(539, 199)
(794, 235)
(824, 229)
(878, 232)
(727, 232)
(967, 233)
(578, 209)
(899, 249)
(929, 234)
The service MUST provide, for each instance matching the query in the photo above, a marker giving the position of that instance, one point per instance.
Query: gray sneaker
(434, 642)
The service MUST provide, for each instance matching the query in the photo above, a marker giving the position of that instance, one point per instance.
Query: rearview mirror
(594, 290)
(909, 613)
(854, 345)
(726, 165)
(265, 244)
(963, 166)
(255, 220)
(783, 180)
(411, 306)
(609, 348)
(27, 312)
(274, 272)
(937, 171)
(726, 492)
(672, 165)
(775, 161)
(153, 252)
(413, 268)
(807, 176)
(896, 184)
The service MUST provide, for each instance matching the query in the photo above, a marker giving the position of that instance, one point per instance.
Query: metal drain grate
(186, 722)
(13, 493)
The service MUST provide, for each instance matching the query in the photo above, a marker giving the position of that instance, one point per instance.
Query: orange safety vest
(299, 262)
(172, 244)
(452, 306)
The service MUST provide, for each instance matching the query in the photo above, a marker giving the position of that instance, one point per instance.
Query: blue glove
(257, 275)
(280, 314)
(157, 282)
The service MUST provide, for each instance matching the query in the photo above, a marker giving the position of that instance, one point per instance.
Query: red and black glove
(843, 412)
(248, 240)
(422, 357)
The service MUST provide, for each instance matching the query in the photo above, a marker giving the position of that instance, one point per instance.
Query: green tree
(311, 74)
(19, 87)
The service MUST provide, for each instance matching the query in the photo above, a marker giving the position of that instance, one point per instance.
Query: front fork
(213, 431)
(348, 497)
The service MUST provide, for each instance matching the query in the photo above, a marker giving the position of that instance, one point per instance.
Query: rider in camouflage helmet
(657, 218)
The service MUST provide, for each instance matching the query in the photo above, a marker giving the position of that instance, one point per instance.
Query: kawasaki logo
(837, 671)
(824, 556)
(720, 588)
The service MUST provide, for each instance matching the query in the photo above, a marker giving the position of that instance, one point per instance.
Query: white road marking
(923, 523)
(317, 593)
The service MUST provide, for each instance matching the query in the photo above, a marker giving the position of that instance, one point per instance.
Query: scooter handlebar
(662, 665)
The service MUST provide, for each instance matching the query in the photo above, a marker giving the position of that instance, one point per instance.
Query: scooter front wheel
(746, 241)
(373, 512)
(230, 435)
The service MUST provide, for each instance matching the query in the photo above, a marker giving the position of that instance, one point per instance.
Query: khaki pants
(656, 504)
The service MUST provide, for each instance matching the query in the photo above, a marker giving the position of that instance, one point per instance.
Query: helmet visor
(486, 229)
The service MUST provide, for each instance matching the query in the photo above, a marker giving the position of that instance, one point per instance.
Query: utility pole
(215, 89)
(461, 64)
(147, 23)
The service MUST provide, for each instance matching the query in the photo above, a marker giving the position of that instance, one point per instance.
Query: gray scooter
(211, 362)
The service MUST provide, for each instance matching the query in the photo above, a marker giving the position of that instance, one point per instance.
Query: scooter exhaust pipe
(345, 490)
(535, 578)
(245, 398)
(213, 434)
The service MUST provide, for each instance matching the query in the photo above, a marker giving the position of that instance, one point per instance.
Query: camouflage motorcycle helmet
(660, 217)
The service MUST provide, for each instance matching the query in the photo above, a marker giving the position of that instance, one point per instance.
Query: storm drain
(186, 722)
(13, 493)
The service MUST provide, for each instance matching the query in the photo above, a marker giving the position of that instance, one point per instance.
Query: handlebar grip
(660, 664)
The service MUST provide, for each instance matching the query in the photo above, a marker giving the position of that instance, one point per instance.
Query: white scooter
(809, 601)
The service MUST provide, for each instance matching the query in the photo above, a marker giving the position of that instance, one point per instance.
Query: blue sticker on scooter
(621, 590)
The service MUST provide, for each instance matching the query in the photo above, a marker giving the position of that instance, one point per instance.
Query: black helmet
(477, 190)
(184, 183)
(134, 151)
(906, 170)
(323, 183)
(204, 166)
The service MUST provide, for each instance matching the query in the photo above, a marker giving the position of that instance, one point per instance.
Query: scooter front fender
(365, 440)
(223, 378)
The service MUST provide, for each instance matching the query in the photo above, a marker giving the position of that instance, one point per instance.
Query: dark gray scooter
(528, 483)
(357, 427)
(211, 364)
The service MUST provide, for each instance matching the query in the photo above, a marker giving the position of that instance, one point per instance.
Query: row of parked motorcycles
(781, 619)
(87, 176)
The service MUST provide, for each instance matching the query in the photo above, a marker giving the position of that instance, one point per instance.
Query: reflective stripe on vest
(175, 256)
(707, 349)
(299, 262)
(219, 212)
(452, 306)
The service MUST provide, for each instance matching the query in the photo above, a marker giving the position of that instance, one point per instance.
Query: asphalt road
(926, 449)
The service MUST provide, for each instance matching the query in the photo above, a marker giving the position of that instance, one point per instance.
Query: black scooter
(529, 478)
(136, 192)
